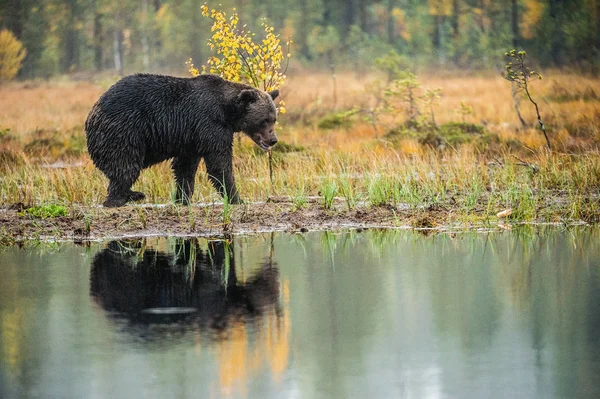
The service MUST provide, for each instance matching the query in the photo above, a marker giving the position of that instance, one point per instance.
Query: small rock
(504, 213)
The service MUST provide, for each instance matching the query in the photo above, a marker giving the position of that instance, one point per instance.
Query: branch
(250, 71)
(537, 111)
(533, 167)
(516, 103)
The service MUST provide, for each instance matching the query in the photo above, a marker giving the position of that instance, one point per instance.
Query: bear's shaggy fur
(146, 119)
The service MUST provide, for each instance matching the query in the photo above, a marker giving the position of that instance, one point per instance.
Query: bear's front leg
(185, 176)
(220, 173)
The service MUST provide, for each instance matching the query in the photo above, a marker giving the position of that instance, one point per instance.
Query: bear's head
(259, 116)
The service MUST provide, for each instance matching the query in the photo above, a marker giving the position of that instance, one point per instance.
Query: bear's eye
(265, 122)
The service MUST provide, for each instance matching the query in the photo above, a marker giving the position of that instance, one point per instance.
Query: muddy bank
(277, 214)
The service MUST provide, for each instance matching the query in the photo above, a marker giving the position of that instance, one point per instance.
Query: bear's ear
(247, 96)
(274, 94)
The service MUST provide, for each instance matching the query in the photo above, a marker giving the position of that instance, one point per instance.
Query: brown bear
(145, 119)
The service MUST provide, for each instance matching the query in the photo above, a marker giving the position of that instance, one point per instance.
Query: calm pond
(379, 314)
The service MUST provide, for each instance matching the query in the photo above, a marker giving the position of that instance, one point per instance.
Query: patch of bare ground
(277, 214)
(89, 223)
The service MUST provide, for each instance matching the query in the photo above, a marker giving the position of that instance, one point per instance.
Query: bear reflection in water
(192, 285)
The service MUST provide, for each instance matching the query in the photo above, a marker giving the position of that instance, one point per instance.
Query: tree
(456, 11)
(390, 20)
(71, 35)
(136, 35)
(97, 38)
(555, 12)
(11, 55)
(515, 23)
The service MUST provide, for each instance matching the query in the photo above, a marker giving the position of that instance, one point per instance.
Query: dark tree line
(66, 36)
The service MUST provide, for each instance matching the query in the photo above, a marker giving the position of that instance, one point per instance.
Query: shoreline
(96, 223)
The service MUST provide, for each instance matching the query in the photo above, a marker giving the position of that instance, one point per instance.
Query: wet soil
(276, 214)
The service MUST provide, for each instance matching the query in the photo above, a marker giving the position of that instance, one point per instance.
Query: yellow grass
(28, 108)
(46, 122)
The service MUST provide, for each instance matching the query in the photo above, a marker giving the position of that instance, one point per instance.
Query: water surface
(381, 314)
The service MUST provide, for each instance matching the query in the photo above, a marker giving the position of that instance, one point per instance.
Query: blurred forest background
(127, 36)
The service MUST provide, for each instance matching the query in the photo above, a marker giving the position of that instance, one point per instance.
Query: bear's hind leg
(118, 194)
(136, 195)
(119, 191)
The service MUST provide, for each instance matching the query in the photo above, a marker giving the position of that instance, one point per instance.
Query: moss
(455, 133)
(425, 222)
(409, 129)
(452, 133)
(6, 238)
(432, 139)
(284, 148)
(338, 119)
(456, 128)
(4, 132)
(56, 144)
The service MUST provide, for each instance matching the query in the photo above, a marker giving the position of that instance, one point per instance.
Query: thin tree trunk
(303, 29)
(71, 54)
(16, 14)
(157, 43)
(516, 104)
(334, 79)
(484, 28)
(327, 12)
(515, 23)
(542, 126)
(118, 51)
(596, 64)
(363, 16)
(441, 53)
(197, 46)
(455, 16)
(556, 38)
(97, 40)
(144, 29)
(482, 16)
(390, 21)
(348, 17)
(435, 39)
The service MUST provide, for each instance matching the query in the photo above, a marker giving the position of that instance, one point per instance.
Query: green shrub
(45, 211)
(338, 119)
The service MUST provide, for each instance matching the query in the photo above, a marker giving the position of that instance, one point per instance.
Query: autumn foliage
(11, 55)
(238, 56)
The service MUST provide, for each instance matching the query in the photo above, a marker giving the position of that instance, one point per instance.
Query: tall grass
(350, 162)
(461, 177)
(329, 189)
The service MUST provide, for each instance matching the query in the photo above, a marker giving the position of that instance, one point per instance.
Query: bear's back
(148, 90)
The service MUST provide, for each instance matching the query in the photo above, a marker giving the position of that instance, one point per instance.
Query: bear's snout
(272, 141)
